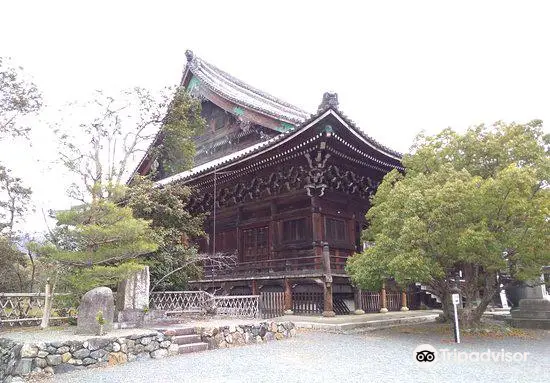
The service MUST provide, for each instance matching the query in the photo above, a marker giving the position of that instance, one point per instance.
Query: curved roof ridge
(232, 86)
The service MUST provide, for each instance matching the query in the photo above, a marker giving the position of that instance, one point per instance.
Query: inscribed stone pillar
(133, 292)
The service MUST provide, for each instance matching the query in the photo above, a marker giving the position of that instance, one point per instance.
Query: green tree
(175, 227)
(477, 202)
(18, 97)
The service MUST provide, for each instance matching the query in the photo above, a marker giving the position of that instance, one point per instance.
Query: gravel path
(379, 356)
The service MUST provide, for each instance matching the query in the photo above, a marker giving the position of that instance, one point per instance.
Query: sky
(399, 67)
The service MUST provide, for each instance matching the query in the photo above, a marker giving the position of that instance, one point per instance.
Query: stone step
(192, 347)
(177, 331)
(186, 339)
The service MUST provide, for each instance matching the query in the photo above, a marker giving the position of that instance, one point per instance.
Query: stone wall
(18, 359)
(237, 335)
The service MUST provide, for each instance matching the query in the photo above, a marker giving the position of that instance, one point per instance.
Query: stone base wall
(231, 336)
(18, 359)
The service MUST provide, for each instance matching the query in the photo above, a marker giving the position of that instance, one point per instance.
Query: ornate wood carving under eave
(313, 179)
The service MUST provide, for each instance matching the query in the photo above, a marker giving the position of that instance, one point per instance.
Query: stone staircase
(186, 338)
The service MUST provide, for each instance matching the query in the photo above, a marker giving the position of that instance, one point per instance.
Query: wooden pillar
(404, 301)
(383, 299)
(288, 297)
(254, 287)
(357, 300)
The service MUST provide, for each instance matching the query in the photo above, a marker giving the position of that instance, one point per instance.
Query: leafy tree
(18, 97)
(102, 137)
(175, 228)
(477, 202)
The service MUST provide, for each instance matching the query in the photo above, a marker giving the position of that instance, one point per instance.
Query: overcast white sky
(399, 67)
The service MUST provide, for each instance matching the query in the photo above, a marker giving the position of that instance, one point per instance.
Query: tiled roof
(241, 93)
(234, 157)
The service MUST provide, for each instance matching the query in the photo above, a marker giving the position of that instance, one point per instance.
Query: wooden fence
(201, 301)
(26, 309)
(272, 304)
(371, 302)
(307, 303)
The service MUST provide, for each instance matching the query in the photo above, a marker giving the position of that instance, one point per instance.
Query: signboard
(456, 299)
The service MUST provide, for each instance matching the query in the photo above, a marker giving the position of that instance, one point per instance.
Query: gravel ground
(381, 356)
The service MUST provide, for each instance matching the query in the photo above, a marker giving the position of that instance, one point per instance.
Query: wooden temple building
(287, 191)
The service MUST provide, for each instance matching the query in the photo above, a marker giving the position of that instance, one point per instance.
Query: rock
(279, 336)
(223, 344)
(229, 338)
(240, 329)
(29, 351)
(173, 349)
(263, 331)
(88, 361)
(66, 356)
(124, 348)
(85, 344)
(41, 346)
(145, 340)
(39, 362)
(117, 358)
(116, 347)
(160, 353)
(165, 344)
(23, 366)
(48, 370)
(42, 354)
(232, 328)
(268, 336)
(210, 331)
(63, 349)
(74, 345)
(94, 301)
(292, 332)
(81, 354)
(138, 349)
(159, 338)
(99, 354)
(259, 339)
(247, 337)
(97, 343)
(131, 357)
(51, 350)
(154, 345)
(273, 327)
(54, 360)
(14, 379)
(57, 344)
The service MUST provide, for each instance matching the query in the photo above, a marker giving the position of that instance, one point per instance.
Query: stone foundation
(17, 359)
(238, 335)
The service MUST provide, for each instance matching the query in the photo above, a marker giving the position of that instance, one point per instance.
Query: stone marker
(132, 300)
(95, 300)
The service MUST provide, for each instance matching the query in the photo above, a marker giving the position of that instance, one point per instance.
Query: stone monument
(132, 300)
(534, 309)
(92, 303)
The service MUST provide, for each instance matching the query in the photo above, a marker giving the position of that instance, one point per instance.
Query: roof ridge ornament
(190, 55)
(330, 100)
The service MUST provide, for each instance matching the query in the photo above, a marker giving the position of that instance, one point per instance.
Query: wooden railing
(308, 264)
(26, 309)
(272, 304)
(200, 301)
(372, 302)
